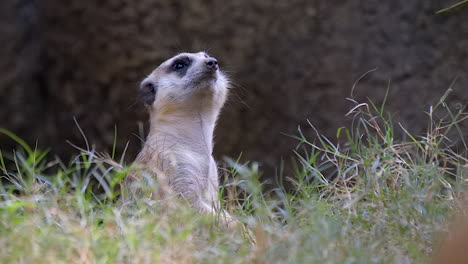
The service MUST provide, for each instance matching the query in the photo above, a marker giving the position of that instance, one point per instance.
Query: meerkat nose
(211, 64)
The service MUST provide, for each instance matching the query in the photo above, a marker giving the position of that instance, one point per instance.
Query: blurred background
(290, 61)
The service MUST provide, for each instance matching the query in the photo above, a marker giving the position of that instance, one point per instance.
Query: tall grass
(453, 7)
(366, 197)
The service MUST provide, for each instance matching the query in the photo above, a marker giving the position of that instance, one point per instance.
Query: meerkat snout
(212, 64)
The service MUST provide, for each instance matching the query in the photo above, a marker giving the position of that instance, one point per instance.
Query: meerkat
(184, 96)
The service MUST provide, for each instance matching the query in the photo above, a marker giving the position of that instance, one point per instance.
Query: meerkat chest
(176, 158)
(188, 162)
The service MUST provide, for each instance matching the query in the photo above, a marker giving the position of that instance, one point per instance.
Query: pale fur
(179, 145)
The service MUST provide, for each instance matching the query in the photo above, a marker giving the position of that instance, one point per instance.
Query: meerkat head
(185, 82)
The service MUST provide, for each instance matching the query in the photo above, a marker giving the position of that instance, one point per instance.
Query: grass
(366, 197)
(453, 7)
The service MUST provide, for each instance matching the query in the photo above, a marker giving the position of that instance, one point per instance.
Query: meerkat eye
(179, 65)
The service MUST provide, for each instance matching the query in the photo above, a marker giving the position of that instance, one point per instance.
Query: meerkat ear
(148, 91)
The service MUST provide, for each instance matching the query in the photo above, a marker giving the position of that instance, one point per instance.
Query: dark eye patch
(180, 65)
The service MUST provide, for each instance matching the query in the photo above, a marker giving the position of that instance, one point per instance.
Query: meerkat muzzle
(212, 64)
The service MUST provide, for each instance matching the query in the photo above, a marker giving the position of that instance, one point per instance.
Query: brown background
(289, 61)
